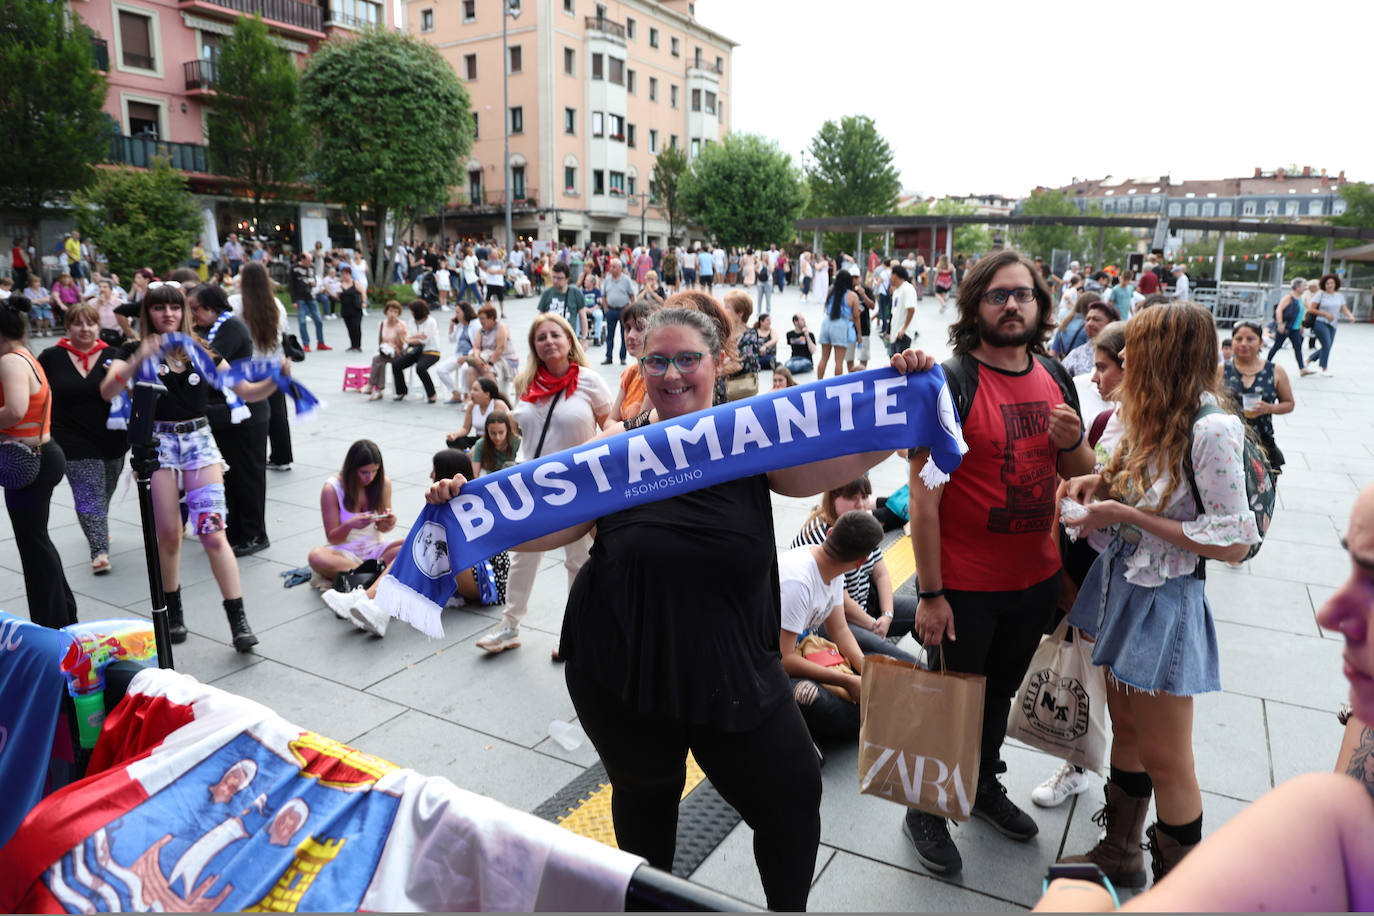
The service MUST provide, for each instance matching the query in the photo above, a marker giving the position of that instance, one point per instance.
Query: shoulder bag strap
(548, 418)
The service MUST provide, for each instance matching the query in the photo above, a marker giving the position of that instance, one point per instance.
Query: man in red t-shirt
(986, 551)
(1148, 284)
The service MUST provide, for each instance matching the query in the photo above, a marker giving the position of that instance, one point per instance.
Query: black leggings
(770, 775)
(422, 363)
(998, 633)
(50, 598)
(353, 320)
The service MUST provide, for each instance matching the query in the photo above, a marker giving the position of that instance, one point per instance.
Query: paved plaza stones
(446, 708)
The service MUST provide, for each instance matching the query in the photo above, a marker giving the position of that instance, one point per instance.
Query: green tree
(1040, 241)
(52, 125)
(665, 185)
(1359, 207)
(139, 218)
(850, 174)
(743, 191)
(392, 126)
(254, 130)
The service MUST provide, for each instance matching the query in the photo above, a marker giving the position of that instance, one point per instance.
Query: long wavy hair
(532, 365)
(964, 335)
(1171, 362)
(260, 307)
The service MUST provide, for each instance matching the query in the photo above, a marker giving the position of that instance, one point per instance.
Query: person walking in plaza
(188, 459)
(807, 273)
(1328, 305)
(19, 263)
(764, 288)
(1288, 316)
(1259, 388)
(706, 269)
(988, 557)
(842, 323)
(944, 281)
(903, 293)
(1173, 494)
(303, 297)
(34, 464)
(562, 403)
(617, 291)
(258, 299)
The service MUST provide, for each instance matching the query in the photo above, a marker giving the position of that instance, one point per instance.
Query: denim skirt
(1159, 638)
(836, 331)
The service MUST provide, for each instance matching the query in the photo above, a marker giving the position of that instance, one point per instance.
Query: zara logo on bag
(891, 776)
(1058, 709)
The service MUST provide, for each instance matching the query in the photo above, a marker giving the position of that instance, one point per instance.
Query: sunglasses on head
(172, 283)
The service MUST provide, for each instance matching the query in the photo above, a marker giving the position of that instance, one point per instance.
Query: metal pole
(1326, 258)
(505, 104)
(143, 459)
(1101, 237)
(643, 213)
(1221, 254)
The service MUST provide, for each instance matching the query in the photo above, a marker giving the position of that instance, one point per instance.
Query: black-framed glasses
(1021, 294)
(657, 364)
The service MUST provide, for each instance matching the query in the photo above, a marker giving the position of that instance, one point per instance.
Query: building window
(598, 66)
(675, 46)
(570, 120)
(630, 136)
(616, 70)
(569, 179)
(1225, 208)
(1338, 207)
(1292, 208)
(598, 182)
(653, 141)
(653, 89)
(630, 81)
(672, 96)
(569, 7)
(475, 132)
(696, 58)
(517, 182)
(517, 62)
(710, 102)
(145, 120)
(1209, 209)
(426, 20)
(653, 37)
(469, 10)
(672, 141)
(617, 184)
(356, 14)
(1175, 209)
(1314, 208)
(517, 119)
(598, 124)
(569, 61)
(720, 65)
(696, 147)
(136, 40)
(469, 67)
(475, 187)
(629, 28)
(1190, 209)
(696, 100)
(630, 185)
(1247, 208)
(616, 128)
(1271, 208)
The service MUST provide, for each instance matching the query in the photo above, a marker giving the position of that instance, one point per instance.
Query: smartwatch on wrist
(1085, 871)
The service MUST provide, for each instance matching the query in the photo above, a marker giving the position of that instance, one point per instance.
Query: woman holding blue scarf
(188, 458)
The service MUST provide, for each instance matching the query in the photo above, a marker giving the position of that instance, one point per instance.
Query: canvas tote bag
(1061, 707)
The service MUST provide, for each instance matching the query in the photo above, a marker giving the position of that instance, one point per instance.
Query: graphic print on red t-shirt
(997, 511)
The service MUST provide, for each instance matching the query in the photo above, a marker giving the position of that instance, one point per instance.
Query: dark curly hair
(964, 336)
(1322, 283)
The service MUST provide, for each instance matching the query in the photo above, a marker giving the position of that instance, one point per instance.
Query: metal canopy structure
(880, 224)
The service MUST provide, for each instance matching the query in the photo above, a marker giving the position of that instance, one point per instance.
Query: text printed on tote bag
(892, 762)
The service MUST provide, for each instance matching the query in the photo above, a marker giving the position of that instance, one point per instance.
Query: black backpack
(961, 373)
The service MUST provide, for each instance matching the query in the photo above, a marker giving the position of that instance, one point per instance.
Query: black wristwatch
(933, 593)
(1084, 871)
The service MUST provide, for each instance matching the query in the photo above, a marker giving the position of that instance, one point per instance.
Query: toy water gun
(94, 646)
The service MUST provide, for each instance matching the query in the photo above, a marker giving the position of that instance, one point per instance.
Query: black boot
(175, 622)
(238, 625)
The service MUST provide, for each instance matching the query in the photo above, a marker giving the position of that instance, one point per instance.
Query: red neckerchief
(66, 344)
(546, 383)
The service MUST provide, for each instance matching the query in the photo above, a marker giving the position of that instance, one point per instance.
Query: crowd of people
(1126, 403)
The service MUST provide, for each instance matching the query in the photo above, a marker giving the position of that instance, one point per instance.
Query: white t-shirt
(1181, 287)
(495, 276)
(430, 329)
(574, 416)
(903, 298)
(470, 269)
(807, 600)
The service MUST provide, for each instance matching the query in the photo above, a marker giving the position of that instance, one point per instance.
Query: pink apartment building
(159, 58)
(597, 89)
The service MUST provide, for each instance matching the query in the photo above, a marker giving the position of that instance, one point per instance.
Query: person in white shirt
(903, 306)
(811, 581)
(360, 274)
(718, 255)
(1180, 282)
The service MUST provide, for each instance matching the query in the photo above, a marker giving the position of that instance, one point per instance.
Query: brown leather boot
(1119, 853)
(1165, 851)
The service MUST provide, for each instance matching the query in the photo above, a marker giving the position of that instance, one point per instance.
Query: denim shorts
(187, 451)
(1158, 638)
(40, 313)
(835, 331)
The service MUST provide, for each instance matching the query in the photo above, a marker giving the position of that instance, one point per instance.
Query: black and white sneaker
(992, 805)
(935, 849)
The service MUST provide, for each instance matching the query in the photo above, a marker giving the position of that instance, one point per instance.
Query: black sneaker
(992, 805)
(929, 834)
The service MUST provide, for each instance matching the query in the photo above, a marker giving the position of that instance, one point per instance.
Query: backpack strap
(1062, 378)
(961, 374)
(1099, 426)
(1200, 571)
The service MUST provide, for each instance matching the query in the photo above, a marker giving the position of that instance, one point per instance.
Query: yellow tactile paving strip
(901, 561)
(592, 817)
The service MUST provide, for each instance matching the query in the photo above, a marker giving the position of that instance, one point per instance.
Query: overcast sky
(998, 97)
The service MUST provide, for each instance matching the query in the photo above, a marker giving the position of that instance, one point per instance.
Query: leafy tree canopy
(254, 129)
(744, 191)
(968, 239)
(52, 124)
(665, 185)
(139, 218)
(852, 172)
(392, 126)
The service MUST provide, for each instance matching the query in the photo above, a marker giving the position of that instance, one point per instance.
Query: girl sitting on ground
(499, 443)
(356, 507)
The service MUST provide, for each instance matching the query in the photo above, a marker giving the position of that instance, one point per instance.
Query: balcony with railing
(608, 26)
(523, 199)
(101, 48)
(139, 151)
(335, 18)
(200, 76)
(291, 14)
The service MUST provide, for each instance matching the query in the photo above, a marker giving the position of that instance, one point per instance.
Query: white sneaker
(368, 616)
(342, 602)
(1327, 373)
(1054, 791)
(499, 640)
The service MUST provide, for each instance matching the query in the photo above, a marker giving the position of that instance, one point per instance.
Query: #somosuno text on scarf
(861, 412)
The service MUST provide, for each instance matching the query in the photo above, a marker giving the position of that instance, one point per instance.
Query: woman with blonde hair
(562, 402)
(1173, 495)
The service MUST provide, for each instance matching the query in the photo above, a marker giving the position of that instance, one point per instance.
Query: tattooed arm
(1357, 753)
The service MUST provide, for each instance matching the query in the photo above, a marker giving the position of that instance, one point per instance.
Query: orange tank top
(37, 419)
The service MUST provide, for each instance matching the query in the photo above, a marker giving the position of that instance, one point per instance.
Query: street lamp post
(509, 8)
(643, 198)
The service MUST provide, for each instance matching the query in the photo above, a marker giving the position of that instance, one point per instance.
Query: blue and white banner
(878, 410)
